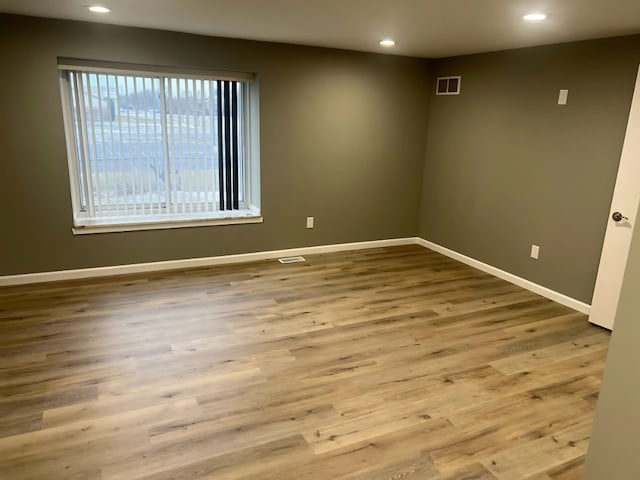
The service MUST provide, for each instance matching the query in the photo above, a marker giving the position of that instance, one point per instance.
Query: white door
(622, 217)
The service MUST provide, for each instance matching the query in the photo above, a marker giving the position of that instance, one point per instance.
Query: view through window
(147, 148)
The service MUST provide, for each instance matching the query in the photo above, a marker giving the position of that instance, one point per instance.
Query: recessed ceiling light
(535, 17)
(387, 42)
(98, 9)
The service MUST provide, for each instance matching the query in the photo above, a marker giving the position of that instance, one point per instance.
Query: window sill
(113, 227)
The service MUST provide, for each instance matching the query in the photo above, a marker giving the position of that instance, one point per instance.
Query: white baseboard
(249, 257)
(509, 277)
(80, 273)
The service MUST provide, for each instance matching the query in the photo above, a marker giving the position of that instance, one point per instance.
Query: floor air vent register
(291, 260)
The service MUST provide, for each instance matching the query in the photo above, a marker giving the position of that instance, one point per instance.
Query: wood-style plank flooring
(381, 364)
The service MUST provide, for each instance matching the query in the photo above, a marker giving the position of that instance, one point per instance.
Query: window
(160, 150)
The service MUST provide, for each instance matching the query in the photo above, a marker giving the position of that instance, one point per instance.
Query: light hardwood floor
(380, 364)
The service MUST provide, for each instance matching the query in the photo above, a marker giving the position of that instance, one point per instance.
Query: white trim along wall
(249, 257)
(509, 277)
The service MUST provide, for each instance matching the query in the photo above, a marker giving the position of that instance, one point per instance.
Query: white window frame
(250, 211)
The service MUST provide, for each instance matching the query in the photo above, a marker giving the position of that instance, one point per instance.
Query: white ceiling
(424, 28)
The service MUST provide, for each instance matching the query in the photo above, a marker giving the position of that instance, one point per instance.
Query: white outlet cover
(309, 222)
(535, 252)
(563, 96)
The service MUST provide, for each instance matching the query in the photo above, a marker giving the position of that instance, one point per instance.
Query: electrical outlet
(309, 222)
(562, 97)
(535, 252)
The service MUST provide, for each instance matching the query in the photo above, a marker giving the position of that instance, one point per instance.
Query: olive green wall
(507, 167)
(613, 449)
(342, 139)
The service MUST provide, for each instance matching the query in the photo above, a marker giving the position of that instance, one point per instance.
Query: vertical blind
(228, 150)
(149, 145)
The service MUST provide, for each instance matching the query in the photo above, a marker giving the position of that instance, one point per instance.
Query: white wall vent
(291, 260)
(448, 85)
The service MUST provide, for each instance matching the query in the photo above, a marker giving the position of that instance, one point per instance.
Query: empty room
(275, 239)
